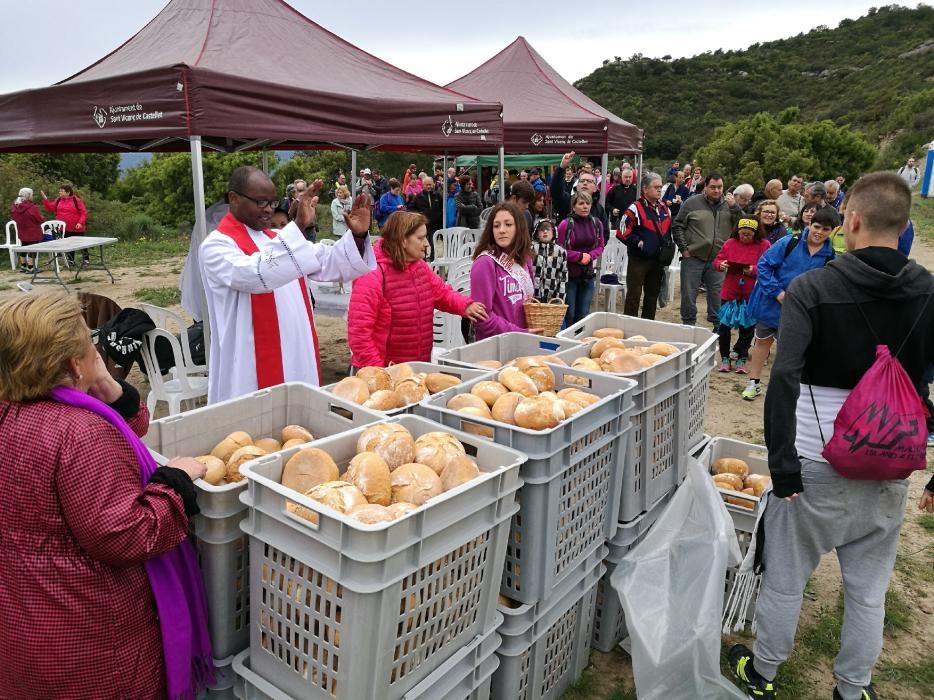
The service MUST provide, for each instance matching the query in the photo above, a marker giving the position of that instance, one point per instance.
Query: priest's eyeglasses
(261, 203)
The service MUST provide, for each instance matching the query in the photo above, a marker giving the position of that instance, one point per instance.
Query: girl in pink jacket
(390, 317)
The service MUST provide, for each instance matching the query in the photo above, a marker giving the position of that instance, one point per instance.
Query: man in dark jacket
(702, 226)
(428, 204)
(872, 295)
(586, 182)
(620, 196)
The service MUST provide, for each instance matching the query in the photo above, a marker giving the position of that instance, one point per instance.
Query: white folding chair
(12, 240)
(465, 243)
(444, 244)
(337, 287)
(181, 387)
(447, 327)
(175, 324)
(56, 229)
(613, 261)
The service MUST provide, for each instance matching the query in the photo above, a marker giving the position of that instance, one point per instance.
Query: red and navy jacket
(645, 223)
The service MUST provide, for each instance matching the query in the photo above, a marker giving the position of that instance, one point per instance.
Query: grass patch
(584, 688)
(922, 214)
(897, 613)
(920, 675)
(5, 287)
(622, 692)
(926, 520)
(159, 296)
(913, 568)
(823, 638)
(137, 253)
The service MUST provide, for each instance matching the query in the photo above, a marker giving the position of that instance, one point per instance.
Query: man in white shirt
(790, 200)
(909, 173)
(262, 324)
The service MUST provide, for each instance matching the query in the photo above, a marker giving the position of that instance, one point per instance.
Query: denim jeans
(579, 294)
(695, 272)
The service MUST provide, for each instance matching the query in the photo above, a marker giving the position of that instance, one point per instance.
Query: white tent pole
(604, 164)
(265, 161)
(444, 192)
(502, 173)
(638, 160)
(353, 173)
(200, 233)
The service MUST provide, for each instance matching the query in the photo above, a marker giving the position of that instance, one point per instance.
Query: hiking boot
(741, 665)
(740, 367)
(868, 694)
(725, 365)
(752, 390)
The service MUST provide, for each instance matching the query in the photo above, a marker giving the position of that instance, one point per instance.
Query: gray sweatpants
(861, 520)
(694, 273)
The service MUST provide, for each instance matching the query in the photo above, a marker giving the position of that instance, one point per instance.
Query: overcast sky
(44, 41)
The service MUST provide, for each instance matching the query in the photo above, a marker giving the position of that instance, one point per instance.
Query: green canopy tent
(528, 160)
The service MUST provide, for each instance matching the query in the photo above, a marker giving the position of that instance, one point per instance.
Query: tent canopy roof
(242, 74)
(542, 111)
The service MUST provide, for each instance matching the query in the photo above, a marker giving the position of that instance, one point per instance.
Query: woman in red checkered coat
(100, 593)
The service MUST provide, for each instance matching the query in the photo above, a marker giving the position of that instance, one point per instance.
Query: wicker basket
(545, 316)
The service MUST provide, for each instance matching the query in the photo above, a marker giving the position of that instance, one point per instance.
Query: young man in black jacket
(825, 346)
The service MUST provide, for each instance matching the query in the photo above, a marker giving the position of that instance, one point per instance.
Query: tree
(94, 171)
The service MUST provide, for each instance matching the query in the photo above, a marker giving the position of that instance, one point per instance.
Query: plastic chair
(465, 243)
(613, 261)
(447, 327)
(337, 287)
(56, 229)
(12, 240)
(181, 387)
(175, 324)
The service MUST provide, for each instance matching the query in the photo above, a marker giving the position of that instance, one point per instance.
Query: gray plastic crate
(396, 599)
(220, 542)
(546, 646)
(465, 676)
(572, 481)
(660, 418)
(462, 373)
(505, 348)
(756, 457)
(609, 625)
(703, 359)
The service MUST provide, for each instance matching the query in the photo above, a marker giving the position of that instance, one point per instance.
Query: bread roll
(302, 512)
(383, 400)
(504, 410)
(542, 377)
(587, 363)
(663, 349)
(338, 495)
(570, 407)
(216, 469)
(515, 380)
(459, 471)
(473, 428)
(524, 363)
(622, 363)
(550, 395)
(411, 390)
(538, 413)
(749, 492)
(242, 456)
(489, 364)
(414, 483)
(399, 372)
(230, 444)
(436, 381)
(370, 473)
(609, 333)
(352, 389)
(456, 403)
(376, 378)
(604, 344)
(401, 509)
(307, 468)
(371, 513)
(757, 482)
(730, 481)
(554, 360)
(294, 442)
(390, 441)
(730, 465)
(741, 502)
(652, 359)
(269, 444)
(585, 398)
(489, 391)
(296, 432)
(437, 450)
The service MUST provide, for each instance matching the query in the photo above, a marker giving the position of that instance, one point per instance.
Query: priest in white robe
(262, 324)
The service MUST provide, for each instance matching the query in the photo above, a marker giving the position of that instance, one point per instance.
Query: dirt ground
(907, 645)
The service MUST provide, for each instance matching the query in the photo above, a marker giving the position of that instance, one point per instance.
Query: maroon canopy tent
(544, 113)
(243, 74)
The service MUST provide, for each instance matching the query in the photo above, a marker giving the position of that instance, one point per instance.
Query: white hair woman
(28, 219)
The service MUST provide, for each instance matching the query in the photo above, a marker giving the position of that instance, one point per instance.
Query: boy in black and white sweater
(551, 263)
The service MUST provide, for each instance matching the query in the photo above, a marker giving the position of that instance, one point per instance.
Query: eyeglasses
(261, 203)
(586, 181)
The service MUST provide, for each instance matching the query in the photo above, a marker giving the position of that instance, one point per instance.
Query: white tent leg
(502, 173)
(199, 234)
(604, 164)
(265, 161)
(638, 160)
(353, 173)
(444, 192)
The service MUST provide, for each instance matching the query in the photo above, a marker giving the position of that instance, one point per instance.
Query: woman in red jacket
(28, 220)
(390, 318)
(69, 208)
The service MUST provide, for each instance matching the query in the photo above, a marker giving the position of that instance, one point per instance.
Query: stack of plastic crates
(221, 544)
(341, 609)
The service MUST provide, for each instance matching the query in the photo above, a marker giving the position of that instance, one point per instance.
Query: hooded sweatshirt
(28, 220)
(826, 346)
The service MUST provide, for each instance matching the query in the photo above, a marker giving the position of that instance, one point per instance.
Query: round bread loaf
(230, 444)
(730, 481)
(609, 333)
(554, 360)
(538, 413)
(604, 344)
(371, 513)
(663, 349)
(524, 363)
(437, 450)
(489, 364)
(370, 473)
(384, 400)
(570, 407)
(390, 441)
(414, 483)
(307, 468)
(757, 482)
(543, 378)
(242, 456)
(474, 428)
(437, 381)
(411, 390)
(623, 363)
(352, 389)
(504, 410)
(652, 358)
(338, 495)
(585, 398)
(294, 442)
(587, 363)
(459, 471)
(730, 465)
(515, 380)
(269, 444)
(459, 401)
(741, 502)
(399, 372)
(296, 432)
(488, 391)
(401, 509)
(376, 378)
(216, 470)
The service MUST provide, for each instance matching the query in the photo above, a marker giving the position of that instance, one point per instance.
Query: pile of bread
(391, 474)
(522, 394)
(610, 354)
(732, 474)
(223, 464)
(389, 388)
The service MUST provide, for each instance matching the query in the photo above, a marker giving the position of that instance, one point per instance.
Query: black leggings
(742, 344)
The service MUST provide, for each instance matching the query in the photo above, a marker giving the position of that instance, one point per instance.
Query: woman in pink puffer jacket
(390, 318)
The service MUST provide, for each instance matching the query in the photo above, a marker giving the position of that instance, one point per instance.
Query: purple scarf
(174, 576)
